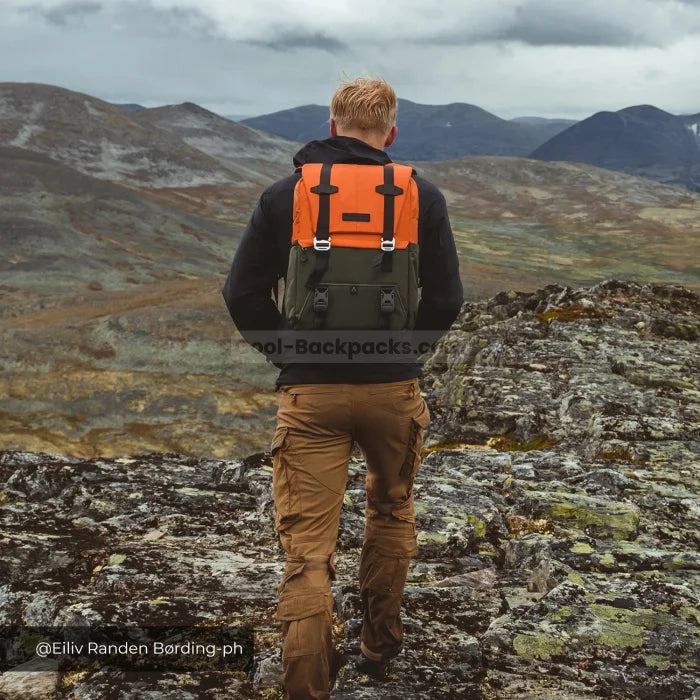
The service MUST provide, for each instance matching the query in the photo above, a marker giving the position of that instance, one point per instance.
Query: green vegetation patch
(641, 618)
(440, 446)
(510, 443)
(565, 612)
(581, 548)
(537, 646)
(478, 523)
(600, 516)
(657, 661)
(621, 634)
(569, 314)
(575, 578)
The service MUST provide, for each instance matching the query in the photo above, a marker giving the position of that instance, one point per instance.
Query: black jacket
(262, 256)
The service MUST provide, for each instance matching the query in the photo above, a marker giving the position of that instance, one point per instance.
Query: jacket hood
(340, 149)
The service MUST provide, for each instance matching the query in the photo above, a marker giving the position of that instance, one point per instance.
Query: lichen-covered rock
(557, 507)
(582, 367)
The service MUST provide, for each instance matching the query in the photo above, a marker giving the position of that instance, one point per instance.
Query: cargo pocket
(304, 615)
(411, 463)
(383, 571)
(284, 482)
(306, 623)
(299, 607)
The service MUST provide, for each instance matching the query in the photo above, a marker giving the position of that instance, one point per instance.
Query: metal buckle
(320, 299)
(322, 245)
(388, 246)
(387, 300)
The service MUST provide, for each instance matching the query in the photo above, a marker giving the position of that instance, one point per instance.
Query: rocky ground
(558, 507)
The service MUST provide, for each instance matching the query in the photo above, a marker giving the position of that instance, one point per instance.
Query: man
(326, 407)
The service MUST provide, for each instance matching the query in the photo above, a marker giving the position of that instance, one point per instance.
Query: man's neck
(370, 139)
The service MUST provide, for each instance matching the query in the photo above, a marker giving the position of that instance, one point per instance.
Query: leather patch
(355, 216)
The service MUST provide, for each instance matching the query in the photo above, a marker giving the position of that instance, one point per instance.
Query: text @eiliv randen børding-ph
(151, 648)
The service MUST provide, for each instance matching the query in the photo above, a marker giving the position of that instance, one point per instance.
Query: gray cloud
(61, 15)
(557, 25)
(595, 23)
(332, 27)
(289, 40)
(512, 57)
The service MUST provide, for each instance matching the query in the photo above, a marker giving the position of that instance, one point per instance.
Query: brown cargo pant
(316, 427)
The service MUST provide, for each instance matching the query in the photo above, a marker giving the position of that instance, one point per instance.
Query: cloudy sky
(565, 58)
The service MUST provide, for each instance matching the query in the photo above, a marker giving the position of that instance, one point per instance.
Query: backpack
(353, 263)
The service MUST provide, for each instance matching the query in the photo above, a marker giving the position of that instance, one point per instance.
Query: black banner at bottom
(196, 648)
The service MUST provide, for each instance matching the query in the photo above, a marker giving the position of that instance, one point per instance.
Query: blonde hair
(366, 104)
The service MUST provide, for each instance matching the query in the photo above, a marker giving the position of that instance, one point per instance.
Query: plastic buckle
(320, 299)
(388, 246)
(387, 300)
(322, 245)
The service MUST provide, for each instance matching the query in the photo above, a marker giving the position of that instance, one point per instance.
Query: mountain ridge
(427, 132)
(106, 141)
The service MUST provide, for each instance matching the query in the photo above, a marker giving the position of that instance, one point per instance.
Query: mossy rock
(598, 517)
(537, 646)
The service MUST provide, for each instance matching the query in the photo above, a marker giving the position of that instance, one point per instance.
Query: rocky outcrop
(558, 508)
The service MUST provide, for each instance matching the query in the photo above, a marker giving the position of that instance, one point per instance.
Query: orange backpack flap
(357, 209)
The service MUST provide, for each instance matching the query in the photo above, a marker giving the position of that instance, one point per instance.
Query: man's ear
(392, 135)
(333, 127)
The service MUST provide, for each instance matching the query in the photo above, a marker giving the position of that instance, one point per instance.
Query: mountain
(544, 128)
(544, 121)
(129, 106)
(557, 519)
(117, 292)
(61, 230)
(692, 123)
(641, 140)
(263, 156)
(426, 132)
(443, 132)
(103, 140)
(302, 124)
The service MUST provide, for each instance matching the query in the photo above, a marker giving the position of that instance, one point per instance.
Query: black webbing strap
(389, 190)
(324, 190)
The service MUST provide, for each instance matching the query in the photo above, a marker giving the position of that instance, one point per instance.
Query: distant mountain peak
(194, 107)
(640, 139)
(647, 112)
(129, 106)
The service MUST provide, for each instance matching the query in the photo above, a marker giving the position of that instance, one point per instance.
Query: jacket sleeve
(252, 278)
(442, 295)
